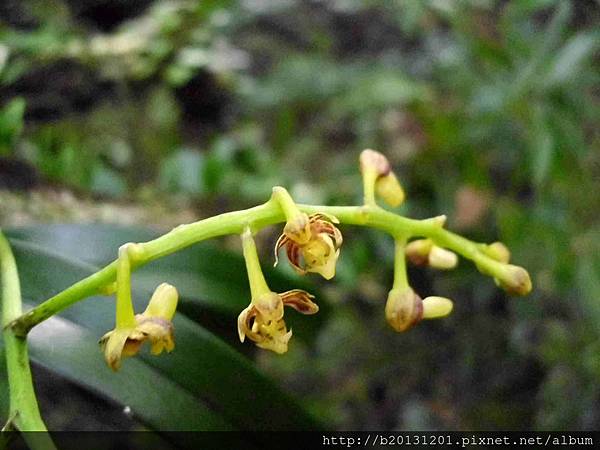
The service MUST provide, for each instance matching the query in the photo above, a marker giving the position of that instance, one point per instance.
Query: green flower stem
(24, 411)
(285, 200)
(400, 275)
(125, 316)
(396, 225)
(369, 178)
(258, 284)
(255, 218)
(180, 237)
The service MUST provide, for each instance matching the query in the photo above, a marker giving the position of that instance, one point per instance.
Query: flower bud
(404, 308)
(498, 251)
(417, 251)
(163, 302)
(373, 160)
(153, 325)
(440, 258)
(435, 307)
(515, 280)
(389, 189)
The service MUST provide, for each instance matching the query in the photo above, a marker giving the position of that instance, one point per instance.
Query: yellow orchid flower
(153, 325)
(262, 321)
(319, 253)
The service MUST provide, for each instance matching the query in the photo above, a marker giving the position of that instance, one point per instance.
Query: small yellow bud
(515, 280)
(153, 325)
(440, 258)
(435, 307)
(163, 302)
(377, 168)
(389, 189)
(417, 251)
(424, 252)
(498, 251)
(403, 309)
(373, 160)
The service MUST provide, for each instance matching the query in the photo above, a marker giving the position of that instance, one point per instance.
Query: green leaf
(203, 374)
(541, 146)
(526, 7)
(588, 281)
(158, 400)
(106, 181)
(182, 172)
(11, 124)
(4, 399)
(570, 59)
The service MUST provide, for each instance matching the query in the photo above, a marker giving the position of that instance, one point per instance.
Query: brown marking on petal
(322, 229)
(281, 241)
(142, 319)
(337, 237)
(246, 322)
(293, 254)
(331, 230)
(323, 218)
(298, 229)
(300, 300)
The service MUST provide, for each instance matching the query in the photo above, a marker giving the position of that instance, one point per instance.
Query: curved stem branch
(255, 218)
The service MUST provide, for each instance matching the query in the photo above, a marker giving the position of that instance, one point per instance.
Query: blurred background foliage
(168, 111)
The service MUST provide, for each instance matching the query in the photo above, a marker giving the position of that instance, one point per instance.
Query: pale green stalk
(369, 178)
(258, 284)
(400, 275)
(24, 412)
(125, 316)
(286, 202)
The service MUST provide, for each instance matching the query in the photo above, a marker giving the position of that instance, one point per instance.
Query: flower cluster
(314, 239)
(312, 244)
(380, 179)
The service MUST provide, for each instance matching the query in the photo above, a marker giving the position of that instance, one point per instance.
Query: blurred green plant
(312, 242)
